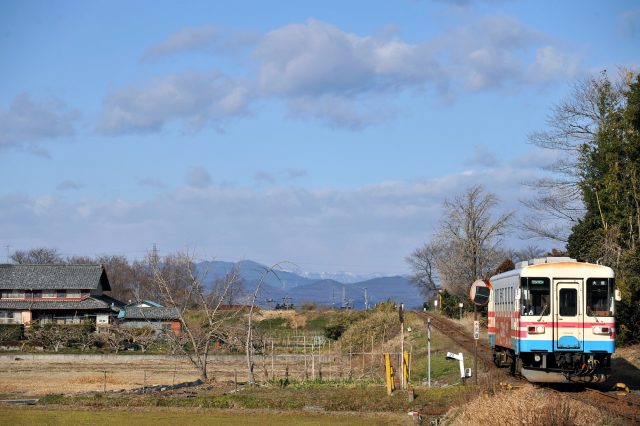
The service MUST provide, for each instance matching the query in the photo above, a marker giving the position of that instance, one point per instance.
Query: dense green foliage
(609, 181)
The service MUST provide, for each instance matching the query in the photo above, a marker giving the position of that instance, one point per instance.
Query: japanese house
(61, 294)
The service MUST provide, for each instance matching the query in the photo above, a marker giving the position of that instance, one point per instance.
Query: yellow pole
(389, 374)
(405, 368)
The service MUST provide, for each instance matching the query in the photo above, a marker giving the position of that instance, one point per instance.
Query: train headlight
(535, 329)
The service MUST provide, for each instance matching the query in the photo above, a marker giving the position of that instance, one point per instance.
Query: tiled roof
(150, 313)
(53, 277)
(89, 303)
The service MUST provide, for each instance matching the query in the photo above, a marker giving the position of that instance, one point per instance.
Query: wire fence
(113, 376)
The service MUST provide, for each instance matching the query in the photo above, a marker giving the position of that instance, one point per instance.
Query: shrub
(380, 326)
(334, 331)
(309, 306)
(386, 306)
(275, 322)
(10, 332)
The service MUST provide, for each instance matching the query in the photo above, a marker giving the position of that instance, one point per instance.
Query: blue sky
(318, 132)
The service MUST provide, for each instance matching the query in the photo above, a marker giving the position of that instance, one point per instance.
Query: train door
(568, 315)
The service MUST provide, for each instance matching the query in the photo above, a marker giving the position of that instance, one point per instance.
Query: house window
(48, 294)
(6, 317)
(12, 294)
(73, 294)
(37, 294)
(60, 294)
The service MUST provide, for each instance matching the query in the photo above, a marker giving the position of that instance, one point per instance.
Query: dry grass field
(525, 406)
(34, 416)
(24, 377)
(21, 376)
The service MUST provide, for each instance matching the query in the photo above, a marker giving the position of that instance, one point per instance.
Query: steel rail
(622, 407)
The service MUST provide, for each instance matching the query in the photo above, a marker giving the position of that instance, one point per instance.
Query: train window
(535, 296)
(600, 297)
(568, 302)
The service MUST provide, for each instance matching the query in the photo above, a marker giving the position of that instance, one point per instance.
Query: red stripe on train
(567, 325)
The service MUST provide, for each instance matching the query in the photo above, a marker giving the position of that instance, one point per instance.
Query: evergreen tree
(609, 232)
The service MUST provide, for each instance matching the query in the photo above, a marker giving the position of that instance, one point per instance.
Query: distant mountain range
(333, 290)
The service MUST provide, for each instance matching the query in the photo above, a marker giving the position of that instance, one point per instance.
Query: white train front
(552, 320)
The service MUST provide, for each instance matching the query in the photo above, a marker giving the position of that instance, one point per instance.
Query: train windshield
(535, 296)
(600, 297)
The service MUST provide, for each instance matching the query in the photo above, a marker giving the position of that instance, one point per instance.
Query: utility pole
(155, 260)
(401, 312)
(366, 299)
(429, 350)
(344, 299)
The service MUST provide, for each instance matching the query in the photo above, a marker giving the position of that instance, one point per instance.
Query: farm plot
(30, 375)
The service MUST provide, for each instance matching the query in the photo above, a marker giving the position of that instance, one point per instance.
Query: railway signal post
(479, 294)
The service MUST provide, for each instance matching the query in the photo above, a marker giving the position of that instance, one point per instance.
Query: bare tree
(123, 277)
(37, 256)
(423, 263)
(571, 127)
(144, 337)
(179, 286)
(525, 253)
(54, 336)
(249, 342)
(236, 292)
(469, 239)
(114, 337)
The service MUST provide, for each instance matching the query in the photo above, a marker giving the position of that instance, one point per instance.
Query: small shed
(147, 313)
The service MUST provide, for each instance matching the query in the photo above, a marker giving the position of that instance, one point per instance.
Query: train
(551, 320)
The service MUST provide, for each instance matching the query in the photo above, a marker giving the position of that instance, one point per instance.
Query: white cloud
(630, 23)
(551, 65)
(482, 156)
(196, 98)
(342, 79)
(26, 121)
(500, 51)
(316, 58)
(374, 226)
(187, 39)
(339, 112)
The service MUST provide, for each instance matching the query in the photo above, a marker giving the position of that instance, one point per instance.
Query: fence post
(313, 362)
(304, 351)
(371, 360)
(104, 387)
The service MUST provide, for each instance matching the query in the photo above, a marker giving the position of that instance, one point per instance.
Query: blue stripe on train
(547, 346)
(599, 346)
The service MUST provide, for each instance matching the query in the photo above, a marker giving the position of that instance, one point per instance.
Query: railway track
(626, 407)
(462, 337)
(623, 407)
